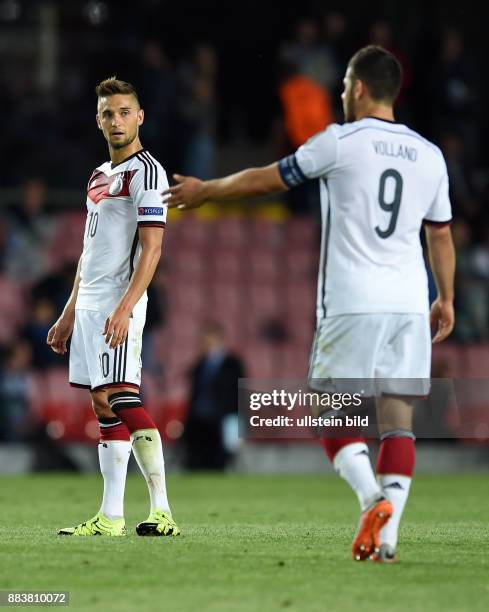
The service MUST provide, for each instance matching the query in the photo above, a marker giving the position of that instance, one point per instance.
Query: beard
(120, 144)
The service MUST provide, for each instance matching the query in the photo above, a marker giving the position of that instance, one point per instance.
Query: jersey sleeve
(317, 157)
(145, 189)
(440, 212)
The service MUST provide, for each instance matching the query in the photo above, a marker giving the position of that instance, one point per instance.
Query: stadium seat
(262, 360)
(295, 361)
(226, 264)
(68, 407)
(190, 298)
(67, 242)
(477, 361)
(302, 263)
(226, 297)
(301, 232)
(188, 266)
(265, 265)
(448, 361)
(265, 299)
(194, 232)
(231, 231)
(266, 235)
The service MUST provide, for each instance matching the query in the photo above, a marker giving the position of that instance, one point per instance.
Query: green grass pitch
(249, 543)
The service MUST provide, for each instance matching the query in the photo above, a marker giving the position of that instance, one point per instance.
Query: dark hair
(379, 70)
(113, 86)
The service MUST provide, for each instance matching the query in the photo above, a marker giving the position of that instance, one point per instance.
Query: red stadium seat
(194, 232)
(226, 264)
(189, 298)
(67, 243)
(449, 361)
(302, 263)
(267, 235)
(302, 232)
(188, 266)
(295, 361)
(231, 231)
(226, 298)
(266, 265)
(66, 410)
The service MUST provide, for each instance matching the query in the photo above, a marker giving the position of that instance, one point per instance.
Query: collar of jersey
(113, 166)
(384, 120)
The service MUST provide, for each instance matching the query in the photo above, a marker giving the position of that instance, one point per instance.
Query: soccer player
(107, 308)
(380, 183)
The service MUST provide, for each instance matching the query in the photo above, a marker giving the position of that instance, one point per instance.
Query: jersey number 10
(390, 207)
(92, 224)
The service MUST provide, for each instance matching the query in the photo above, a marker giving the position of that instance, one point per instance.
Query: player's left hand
(189, 192)
(116, 328)
(442, 320)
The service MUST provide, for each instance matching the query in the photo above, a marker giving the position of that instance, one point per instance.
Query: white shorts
(93, 365)
(374, 347)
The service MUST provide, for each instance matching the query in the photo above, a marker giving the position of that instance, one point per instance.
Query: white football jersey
(120, 199)
(379, 182)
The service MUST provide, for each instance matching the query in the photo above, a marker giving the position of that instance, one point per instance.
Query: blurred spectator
(306, 107)
(472, 296)
(309, 56)
(158, 93)
(213, 398)
(381, 33)
(56, 286)
(454, 91)
(453, 150)
(43, 315)
(198, 111)
(337, 37)
(31, 228)
(14, 392)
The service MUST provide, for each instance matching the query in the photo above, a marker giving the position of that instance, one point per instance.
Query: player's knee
(101, 406)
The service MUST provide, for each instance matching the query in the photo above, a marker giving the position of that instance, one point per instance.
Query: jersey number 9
(390, 207)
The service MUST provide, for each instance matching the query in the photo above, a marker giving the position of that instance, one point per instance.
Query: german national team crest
(116, 186)
(102, 186)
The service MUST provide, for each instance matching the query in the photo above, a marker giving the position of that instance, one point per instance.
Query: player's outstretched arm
(60, 332)
(117, 324)
(190, 192)
(442, 259)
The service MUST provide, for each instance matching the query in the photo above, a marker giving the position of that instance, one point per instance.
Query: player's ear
(359, 89)
(97, 119)
(140, 116)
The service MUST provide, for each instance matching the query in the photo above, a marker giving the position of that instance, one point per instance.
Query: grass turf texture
(249, 543)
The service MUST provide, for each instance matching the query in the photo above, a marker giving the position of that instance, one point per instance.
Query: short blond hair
(112, 86)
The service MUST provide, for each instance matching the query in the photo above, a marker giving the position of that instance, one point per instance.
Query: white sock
(148, 451)
(396, 488)
(113, 457)
(352, 463)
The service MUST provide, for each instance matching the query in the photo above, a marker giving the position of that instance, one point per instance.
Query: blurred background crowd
(222, 88)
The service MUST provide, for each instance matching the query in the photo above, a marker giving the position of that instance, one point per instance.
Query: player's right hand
(189, 192)
(60, 332)
(442, 319)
